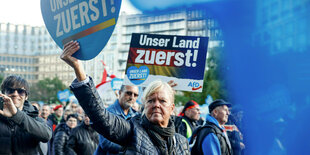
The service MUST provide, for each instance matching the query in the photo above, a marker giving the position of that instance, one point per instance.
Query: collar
(211, 119)
(117, 109)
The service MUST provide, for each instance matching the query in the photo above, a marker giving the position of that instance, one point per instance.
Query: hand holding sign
(69, 49)
(82, 20)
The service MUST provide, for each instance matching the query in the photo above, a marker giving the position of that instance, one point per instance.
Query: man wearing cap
(212, 137)
(190, 116)
(56, 116)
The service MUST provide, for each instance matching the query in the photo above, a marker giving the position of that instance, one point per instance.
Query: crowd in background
(72, 133)
(90, 127)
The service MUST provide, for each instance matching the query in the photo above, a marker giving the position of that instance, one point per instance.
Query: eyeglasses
(129, 93)
(20, 91)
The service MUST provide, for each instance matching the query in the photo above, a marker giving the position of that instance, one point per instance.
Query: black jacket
(83, 140)
(201, 132)
(61, 136)
(22, 133)
(183, 129)
(129, 134)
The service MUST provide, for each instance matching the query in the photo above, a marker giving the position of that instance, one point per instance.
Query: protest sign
(166, 57)
(90, 22)
(116, 83)
(63, 95)
(107, 95)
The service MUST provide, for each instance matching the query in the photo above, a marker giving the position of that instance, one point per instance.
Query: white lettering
(161, 42)
(142, 41)
(187, 59)
(104, 8)
(178, 59)
(185, 43)
(74, 17)
(94, 16)
(66, 26)
(196, 43)
(65, 2)
(83, 13)
(71, 19)
(53, 5)
(59, 4)
(166, 58)
(160, 57)
(138, 58)
(58, 32)
(169, 55)
(149, 59)
(174, 42)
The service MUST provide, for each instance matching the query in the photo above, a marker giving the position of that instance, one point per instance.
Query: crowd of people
(89, 127)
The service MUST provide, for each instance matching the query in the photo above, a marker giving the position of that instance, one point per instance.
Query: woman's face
(158, 108)
(72, 122)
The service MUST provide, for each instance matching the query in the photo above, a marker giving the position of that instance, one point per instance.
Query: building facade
(31, 52)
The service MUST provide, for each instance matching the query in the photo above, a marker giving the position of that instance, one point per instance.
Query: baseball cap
(216, 103)
(189, 105)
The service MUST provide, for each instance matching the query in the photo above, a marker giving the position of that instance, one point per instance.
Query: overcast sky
(28, 11)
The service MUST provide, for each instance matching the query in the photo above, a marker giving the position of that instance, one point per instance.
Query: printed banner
(116, 83)
(166, 57)
(90, 22)
(107, 95)
(63, 96)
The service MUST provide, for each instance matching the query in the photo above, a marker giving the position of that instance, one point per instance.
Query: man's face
(158, 108)
(221, 114)
(45, 111)
(18, 96)
(59, 112)
(128, 96)
(74, 107)
(193, 113)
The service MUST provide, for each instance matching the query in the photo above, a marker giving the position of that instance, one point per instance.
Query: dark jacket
(54, 120)
(22, 133)
(129, 134)
(61, 136)
(83, 140)
(186, 129)
(210, 139)
(105, 146)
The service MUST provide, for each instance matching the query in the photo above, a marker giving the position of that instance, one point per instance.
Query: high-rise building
(32, 52)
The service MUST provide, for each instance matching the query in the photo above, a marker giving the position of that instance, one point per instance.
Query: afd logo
(194, 85)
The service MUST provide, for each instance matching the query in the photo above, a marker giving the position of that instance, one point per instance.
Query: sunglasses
(129, 93)
(20, 91)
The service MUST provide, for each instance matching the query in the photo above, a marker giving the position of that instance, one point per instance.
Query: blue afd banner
(167, 57)
(116, 83)
(63, 95)
(90, 22)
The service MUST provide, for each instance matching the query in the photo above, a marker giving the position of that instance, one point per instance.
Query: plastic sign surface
(90, 22)
(63, 96)
(167, 57)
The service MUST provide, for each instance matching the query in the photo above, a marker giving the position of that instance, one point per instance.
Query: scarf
(161, 137)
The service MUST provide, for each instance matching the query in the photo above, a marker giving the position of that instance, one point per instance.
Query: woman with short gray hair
(151, 133)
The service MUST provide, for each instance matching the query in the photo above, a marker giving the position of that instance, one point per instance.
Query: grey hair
(155, 86)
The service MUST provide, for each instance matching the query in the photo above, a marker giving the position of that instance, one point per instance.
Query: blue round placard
(90, 22)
